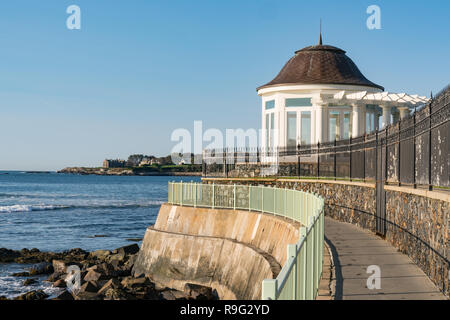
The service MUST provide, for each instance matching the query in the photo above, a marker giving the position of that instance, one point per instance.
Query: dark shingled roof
(320, 64)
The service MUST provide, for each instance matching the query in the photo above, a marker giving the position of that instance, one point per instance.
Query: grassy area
(168, 168)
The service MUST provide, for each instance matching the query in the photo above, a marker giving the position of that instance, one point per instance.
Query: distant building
(111, 163)
(148, 161)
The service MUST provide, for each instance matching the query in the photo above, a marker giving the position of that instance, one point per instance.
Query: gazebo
(320, 95)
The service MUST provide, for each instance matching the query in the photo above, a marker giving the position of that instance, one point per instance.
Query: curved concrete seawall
(233, 269)
(267, 232)
(232, 251)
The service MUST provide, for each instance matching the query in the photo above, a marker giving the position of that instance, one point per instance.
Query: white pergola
(385, 100)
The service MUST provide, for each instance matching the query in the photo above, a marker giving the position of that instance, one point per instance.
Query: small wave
(29, 208)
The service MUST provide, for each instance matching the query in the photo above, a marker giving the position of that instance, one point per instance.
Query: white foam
(29, 208)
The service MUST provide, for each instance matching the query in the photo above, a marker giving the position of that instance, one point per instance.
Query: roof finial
(320, 35)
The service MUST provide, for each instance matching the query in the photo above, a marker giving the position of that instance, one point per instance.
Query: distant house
(148, 161)
(114, 163)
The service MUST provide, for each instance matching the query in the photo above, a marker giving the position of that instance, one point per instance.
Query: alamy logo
(73, 279)
(73, 22)
(374, 281)
(374, 20)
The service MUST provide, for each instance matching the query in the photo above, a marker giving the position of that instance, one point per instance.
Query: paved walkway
(354, 249)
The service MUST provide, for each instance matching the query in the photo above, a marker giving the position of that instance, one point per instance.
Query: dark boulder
(33, 295)
(66, 295)
(29, 282)
(61, 283)
(89, 286)
(20, 274)
(7, 255)
(41, 268)
(55, 276)
(130, 249)
(198, 292)
(88, 296)
(118, 294)
(111, 284)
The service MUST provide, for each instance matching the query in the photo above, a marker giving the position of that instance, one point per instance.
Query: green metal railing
(300, 276)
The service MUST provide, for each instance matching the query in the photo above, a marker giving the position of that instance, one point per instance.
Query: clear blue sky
(139, 69)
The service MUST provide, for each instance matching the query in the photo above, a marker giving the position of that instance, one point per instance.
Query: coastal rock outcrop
(104, 275)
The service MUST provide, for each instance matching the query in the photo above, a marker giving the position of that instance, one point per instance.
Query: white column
(404, 111)
(386, 116)
(320, 123)
(356, 117)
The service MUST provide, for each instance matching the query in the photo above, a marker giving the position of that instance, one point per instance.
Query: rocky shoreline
(122, 172)
(104, 275)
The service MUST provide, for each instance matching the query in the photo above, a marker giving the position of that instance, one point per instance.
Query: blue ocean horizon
(57, 212)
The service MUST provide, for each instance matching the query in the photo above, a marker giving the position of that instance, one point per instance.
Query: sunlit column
(404, 111)
(386, 116)
(356, 117)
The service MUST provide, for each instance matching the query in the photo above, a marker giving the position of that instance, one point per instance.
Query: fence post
(414, 147)
(181, 190)
(399, 153)
(213, 196)
(269, 289)
(274, 201)
(310, 241)
(262, 199)
(234, 196)
(318, 160)
(350, 154)
(195, 194)
(292, 253)
(430, 186)
(249, 198)
(335, 162)
(364, 157)
(303, 263)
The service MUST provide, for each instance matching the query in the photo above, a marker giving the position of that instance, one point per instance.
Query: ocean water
(57, 212)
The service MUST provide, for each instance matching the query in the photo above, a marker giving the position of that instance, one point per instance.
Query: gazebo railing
(301, 273)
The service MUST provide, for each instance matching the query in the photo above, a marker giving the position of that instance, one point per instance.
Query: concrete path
(354, 249)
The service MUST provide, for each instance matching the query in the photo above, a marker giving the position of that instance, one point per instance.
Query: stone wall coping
(437, 195)
(343, 182)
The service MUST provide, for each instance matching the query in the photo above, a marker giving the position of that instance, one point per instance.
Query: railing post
(249, 197)
(262, 199)
(303, 263)
(181, 193)
(430, 186)
(234, 196)
(350, 154)
(399, 153)
(414, 147)
(318, 160)
(269, 289)
(310, 260)
(274, 201)
(195, 194)
(292, 253)
(334, 160)
(364, 158)
(213, 196)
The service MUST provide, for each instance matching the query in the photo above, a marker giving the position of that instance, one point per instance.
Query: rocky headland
(124, 172)
(104, 275)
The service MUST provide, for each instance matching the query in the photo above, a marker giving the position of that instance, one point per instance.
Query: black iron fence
(415, 151)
